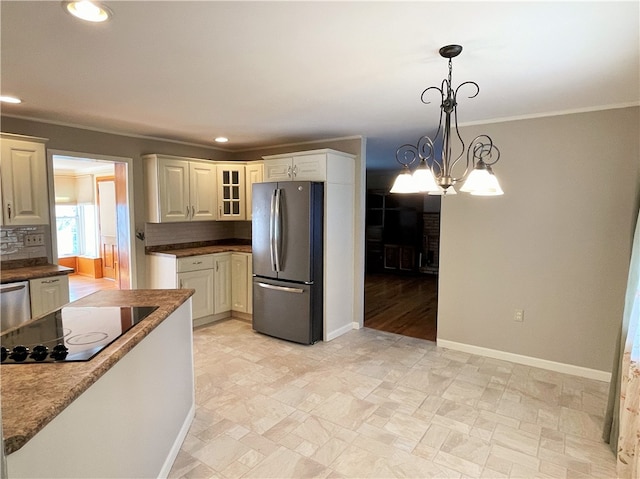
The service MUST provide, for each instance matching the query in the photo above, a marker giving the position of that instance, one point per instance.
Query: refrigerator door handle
(277, 237)
(272, 217)
(281, 288)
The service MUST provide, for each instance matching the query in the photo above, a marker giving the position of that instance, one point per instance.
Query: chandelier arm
(469, 83)
(426, 90)
(425, 148)
(483, 149)
(408, 153)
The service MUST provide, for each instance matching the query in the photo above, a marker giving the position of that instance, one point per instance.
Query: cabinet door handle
(49, 281)
(193, 211)
(9, 210)
(216, 266)
(295, 170)
(289, 171)
(220, 211)
(188, 212)
(197, 262)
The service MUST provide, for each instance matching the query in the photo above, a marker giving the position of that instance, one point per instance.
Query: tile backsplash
(13, 245)
(157, 234)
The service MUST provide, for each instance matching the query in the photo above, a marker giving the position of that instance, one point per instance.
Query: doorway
(402, 261)
(90, 207)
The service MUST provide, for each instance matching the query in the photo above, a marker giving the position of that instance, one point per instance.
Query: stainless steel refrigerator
(287, 247)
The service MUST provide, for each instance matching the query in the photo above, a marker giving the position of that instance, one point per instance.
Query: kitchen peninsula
(123, 413)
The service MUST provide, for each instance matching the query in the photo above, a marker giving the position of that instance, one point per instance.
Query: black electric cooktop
(69, 334)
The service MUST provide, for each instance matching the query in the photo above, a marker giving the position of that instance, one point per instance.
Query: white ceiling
(73, 166)
(265, 73)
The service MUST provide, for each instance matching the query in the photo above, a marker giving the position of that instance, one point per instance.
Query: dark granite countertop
(195, 249)
(26, 273)
(34, 394)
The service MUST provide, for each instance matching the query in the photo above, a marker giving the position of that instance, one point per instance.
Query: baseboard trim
(338, 332)
(177, 444)
(527, 360)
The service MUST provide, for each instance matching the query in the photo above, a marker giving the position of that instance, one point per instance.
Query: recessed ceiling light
(10, 99)
(222, 139)
(88, 10)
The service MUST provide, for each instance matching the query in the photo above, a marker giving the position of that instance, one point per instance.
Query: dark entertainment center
(401, 236)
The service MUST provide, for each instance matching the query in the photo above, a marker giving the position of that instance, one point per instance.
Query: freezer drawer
(286, 310)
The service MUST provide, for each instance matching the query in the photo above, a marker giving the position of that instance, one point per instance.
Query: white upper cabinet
(316, 165)
(202, 181)
(179, 189)
(23, 181)
(231, 192)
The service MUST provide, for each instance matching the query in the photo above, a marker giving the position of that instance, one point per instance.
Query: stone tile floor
(375, 404)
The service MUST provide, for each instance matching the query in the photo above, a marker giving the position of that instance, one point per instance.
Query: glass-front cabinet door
(231, 192)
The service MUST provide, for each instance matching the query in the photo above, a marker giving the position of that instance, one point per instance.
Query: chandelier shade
(404, 183)
(438, 175)
(423, 178)
(482, 182)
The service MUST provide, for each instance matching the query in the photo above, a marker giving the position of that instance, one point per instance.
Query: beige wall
(557, 244)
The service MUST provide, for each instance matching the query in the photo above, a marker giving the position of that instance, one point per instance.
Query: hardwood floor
(406, 305)
(81, 286)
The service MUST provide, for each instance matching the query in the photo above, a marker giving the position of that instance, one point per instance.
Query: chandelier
(436, 176)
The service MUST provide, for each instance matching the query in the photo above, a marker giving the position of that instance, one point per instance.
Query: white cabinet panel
(202, 282)
(202, 180)
(174, 184)
(222, 283)
(310, 167)
(239, 282)
(278, 169)
(23, 178)
(48, 294)
(253, 173)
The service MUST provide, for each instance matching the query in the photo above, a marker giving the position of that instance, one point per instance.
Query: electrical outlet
(35, 239)
(519, 315)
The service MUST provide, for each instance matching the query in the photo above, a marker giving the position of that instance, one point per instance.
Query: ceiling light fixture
(10, 99)
(89, 11)
(222, 139)
(436, 176)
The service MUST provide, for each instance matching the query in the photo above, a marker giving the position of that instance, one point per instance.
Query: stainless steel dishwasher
(15, 307)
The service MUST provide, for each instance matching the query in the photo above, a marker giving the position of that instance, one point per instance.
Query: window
(68, 223)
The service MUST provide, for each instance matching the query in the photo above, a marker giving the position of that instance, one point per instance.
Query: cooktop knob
(59, 352)
(19, 353)
(39, 353)
(4, 353)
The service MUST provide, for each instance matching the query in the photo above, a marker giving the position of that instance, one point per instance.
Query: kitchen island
(123, 413)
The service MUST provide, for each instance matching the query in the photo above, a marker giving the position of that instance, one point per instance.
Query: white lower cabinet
(202, 299)
(212, 276)
(48, 294)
